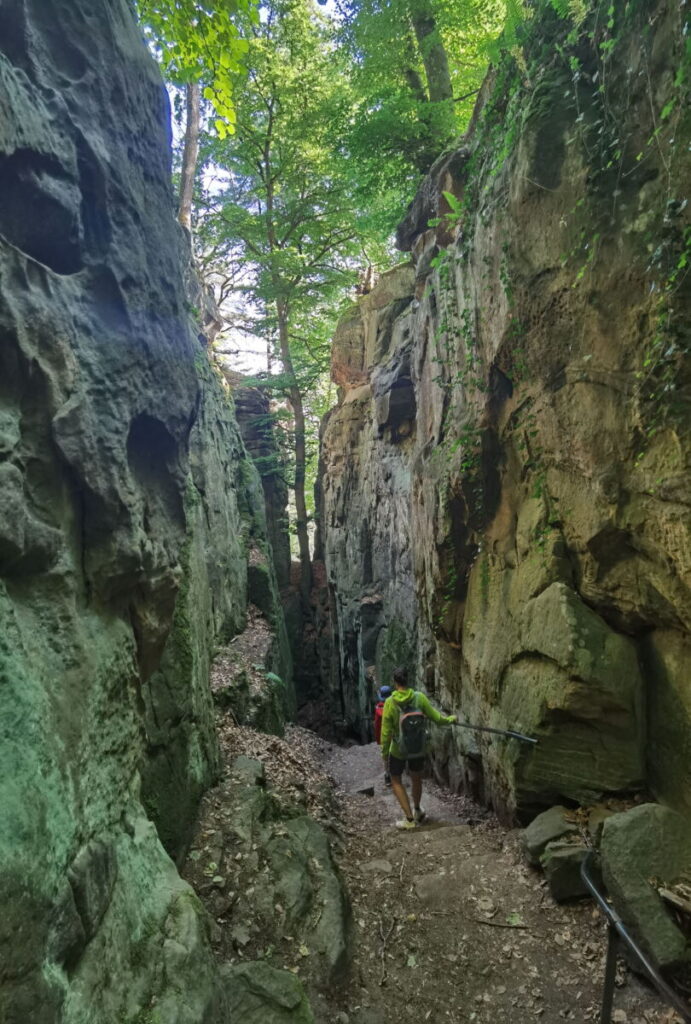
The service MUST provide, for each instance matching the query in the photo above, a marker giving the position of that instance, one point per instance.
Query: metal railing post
(610, 975)
(618, 933)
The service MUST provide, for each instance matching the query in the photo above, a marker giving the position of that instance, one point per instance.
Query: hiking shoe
(420, 815)
(387, 779)
(405, 824)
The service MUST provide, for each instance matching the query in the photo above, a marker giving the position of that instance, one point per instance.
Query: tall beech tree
(284, 213)
(190, 153)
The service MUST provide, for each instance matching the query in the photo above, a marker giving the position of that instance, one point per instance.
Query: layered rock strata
(128, 514)
(506, 476)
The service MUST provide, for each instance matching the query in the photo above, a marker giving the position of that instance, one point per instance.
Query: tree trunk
(410, 72)
(432, 51)
(294, 393)
(415, 84)
(190, 153)
(300, 457)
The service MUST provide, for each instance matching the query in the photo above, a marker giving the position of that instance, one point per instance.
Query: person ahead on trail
(384, 692)
(403, 742)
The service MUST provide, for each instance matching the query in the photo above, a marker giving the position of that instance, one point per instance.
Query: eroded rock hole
(50, 232)
(94, 214)
(152, 454)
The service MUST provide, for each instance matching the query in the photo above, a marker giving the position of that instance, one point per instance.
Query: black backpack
(412, 728)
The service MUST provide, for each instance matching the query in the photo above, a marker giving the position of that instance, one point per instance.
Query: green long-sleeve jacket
(392, 713)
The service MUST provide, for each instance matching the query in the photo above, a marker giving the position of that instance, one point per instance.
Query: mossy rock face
(261, 703)
(270, 711)
(260, 994)
(127, 509)
(649, 841)
(667, 660)
(279, 857)
(260, 590)
(570, 665)
(396, 648)
(530, 533)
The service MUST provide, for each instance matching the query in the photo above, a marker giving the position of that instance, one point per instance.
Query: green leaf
(668, 108)
(199, 41)
(454, 203)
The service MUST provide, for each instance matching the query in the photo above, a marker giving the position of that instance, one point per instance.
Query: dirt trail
(449, 923)
(452, 926)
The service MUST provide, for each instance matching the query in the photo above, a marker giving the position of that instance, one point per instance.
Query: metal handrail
(498, 732)
(617, 931)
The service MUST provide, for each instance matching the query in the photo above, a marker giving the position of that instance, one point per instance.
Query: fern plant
(574, 9)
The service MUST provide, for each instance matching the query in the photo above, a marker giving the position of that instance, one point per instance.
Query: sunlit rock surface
(505, 509)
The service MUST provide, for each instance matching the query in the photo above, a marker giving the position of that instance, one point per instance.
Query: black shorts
(415, 764)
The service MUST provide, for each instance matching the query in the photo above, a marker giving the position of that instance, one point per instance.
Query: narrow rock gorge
(505, 488)
(502, 506)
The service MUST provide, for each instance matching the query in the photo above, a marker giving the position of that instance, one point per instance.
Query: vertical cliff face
(127, 510)
(257, 425)
(506, 477)
(368, 448)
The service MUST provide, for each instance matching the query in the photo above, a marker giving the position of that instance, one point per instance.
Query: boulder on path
(260, 994)
(376, 867)
(561, 863)
(649, 841)
(544, 829)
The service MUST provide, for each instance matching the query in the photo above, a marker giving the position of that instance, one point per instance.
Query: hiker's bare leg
(401, 795)
(416, 779)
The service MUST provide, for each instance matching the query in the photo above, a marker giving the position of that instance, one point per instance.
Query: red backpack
(378, 714)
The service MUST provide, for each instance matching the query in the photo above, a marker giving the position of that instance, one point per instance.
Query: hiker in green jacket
(403, 743)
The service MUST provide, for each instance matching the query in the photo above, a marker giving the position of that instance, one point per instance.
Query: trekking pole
(498, 732)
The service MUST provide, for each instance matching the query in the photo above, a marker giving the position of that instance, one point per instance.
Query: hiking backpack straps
(378, 714)
(412, 729)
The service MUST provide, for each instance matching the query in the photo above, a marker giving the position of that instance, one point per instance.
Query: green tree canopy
(416, 68)
(200, 42)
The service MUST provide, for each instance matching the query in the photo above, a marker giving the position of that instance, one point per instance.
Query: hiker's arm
(431, 712)
(386, 732)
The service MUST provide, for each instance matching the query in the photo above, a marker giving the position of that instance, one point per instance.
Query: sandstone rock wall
(506, 476)
(257, 426)
(128, 509)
